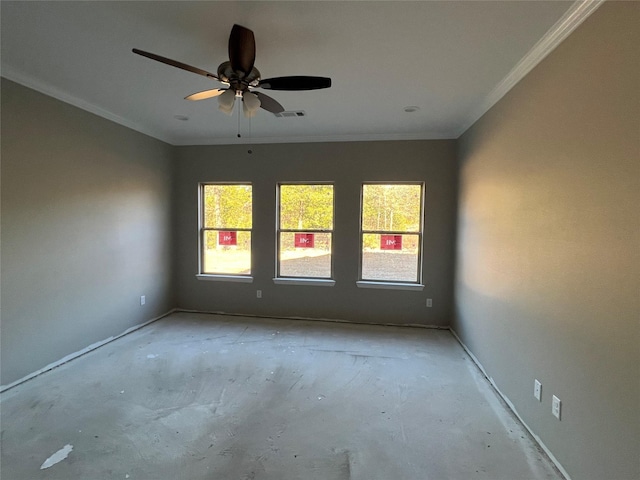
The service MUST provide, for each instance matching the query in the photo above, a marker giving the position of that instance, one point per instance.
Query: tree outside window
(391, 232)
(225, 233)
(305, 230)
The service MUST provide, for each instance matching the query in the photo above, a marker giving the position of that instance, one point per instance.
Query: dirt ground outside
(390, 266)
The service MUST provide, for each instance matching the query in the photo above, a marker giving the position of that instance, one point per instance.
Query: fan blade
(205, 94)
(295, 83)
(175, 63)
(268, 103)
(242, 49)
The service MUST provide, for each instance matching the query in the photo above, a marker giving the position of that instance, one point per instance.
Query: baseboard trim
(511, 406)
(73, 356)
(315, 319)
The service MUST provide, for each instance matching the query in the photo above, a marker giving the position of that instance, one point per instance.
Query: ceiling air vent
(291, 113)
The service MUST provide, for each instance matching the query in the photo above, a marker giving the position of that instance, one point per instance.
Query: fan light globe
(226, 101)
(250, 104)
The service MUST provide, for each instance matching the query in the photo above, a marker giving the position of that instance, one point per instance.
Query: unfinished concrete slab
(196, 396)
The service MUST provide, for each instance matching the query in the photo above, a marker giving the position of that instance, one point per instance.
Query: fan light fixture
(250, 104)
(226, 101)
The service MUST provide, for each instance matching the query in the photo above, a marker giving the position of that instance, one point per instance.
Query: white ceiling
(452, 59)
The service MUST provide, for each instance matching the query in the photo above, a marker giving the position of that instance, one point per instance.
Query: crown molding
(14, 75)
(365, 137)
(579, 11)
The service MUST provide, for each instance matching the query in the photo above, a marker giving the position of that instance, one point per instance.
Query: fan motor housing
(236, 80)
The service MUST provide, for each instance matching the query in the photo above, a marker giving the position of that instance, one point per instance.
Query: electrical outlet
(537, 390)
(143, 300)
(429, 303)
(555, 407)
(258, 293)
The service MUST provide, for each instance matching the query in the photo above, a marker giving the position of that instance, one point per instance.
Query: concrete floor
(196, 396)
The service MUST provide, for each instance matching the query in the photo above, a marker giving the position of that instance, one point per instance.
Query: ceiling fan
(240, 78)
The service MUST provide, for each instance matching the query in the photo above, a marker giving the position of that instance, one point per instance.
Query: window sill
(224, 278)
(316, 282)
(391, 285)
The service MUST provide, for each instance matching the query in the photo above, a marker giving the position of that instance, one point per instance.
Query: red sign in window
(390, 242)
(304, 240)
(227, 238)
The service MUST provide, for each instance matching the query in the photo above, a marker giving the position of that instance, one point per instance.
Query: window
(225, 229)
(305, 231)
(391, 232)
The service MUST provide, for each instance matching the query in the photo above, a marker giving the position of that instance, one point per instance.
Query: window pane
(389, 208)
(220, 255)
(311, 258)
(306, 207)
(390, 257)
(227, 206)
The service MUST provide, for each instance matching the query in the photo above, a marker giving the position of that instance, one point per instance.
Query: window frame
(202, 231)
(316, 281)
(392, 284)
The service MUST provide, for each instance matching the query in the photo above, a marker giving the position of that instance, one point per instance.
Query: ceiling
(452, 59)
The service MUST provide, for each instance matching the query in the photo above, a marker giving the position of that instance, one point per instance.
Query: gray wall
(86, 230)
(547, 259)
(348, 165)
(548, 233)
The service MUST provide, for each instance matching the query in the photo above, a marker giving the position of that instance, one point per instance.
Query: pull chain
(238, 108)
(250, 151)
